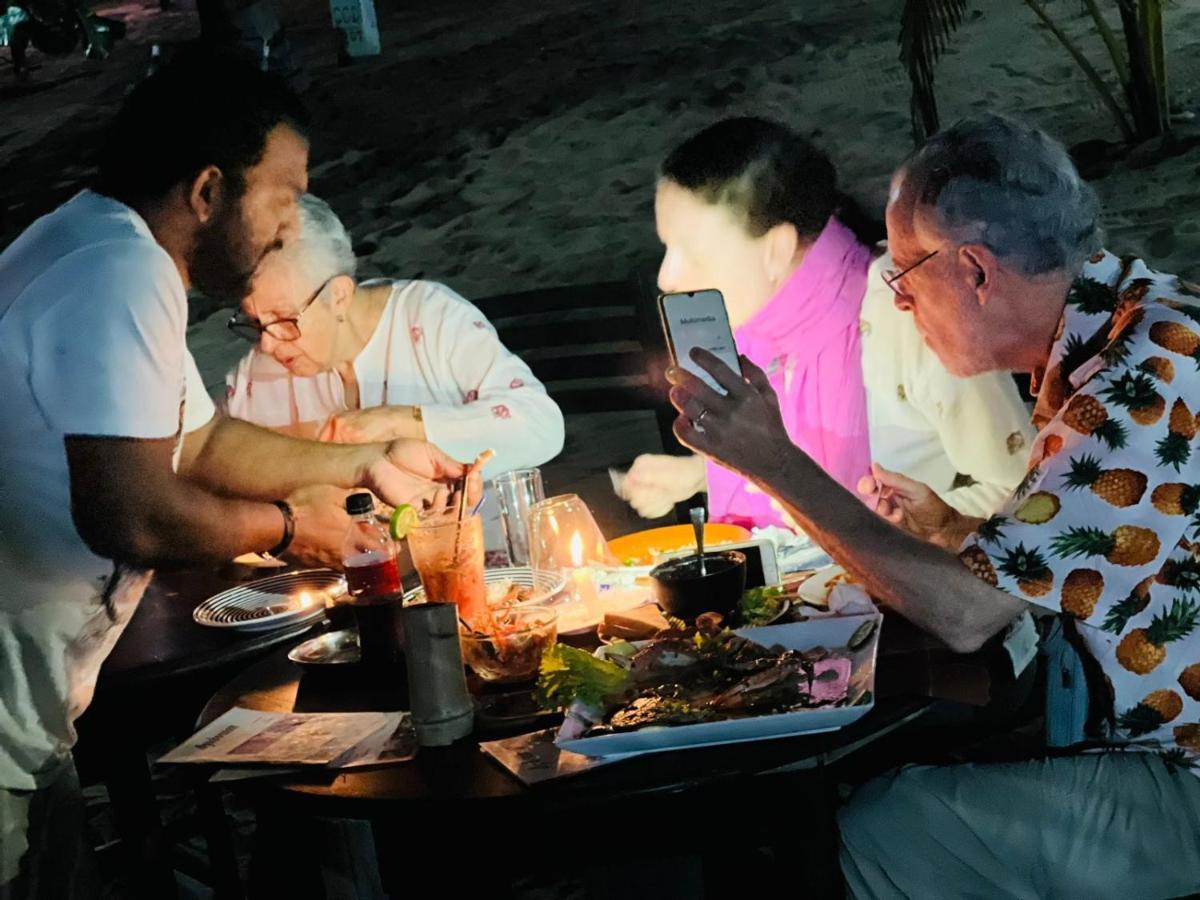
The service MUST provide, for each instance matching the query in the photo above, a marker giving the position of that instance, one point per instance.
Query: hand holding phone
(698, 319)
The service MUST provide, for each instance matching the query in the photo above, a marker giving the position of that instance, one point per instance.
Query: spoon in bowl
(697, 515)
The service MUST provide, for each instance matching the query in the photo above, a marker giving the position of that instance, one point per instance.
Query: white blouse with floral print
(444, 357)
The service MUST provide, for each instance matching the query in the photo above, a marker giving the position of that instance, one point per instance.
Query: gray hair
(323, 248)
(1009, 186)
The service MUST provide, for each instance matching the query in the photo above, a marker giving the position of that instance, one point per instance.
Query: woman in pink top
(753, 209)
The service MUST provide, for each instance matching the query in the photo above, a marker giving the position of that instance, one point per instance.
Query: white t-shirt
(92, 342)
(436, 351)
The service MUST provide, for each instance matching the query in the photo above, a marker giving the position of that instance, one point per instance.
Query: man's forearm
(189, 524)
(238, 459)
(200, 526)
(926, 584)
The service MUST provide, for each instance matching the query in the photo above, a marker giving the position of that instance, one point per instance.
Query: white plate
(575, 618)
(793, 636)
(248, 607)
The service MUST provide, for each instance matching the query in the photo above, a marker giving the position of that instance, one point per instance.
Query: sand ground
(509, 145)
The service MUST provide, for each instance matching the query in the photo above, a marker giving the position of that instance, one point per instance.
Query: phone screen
(698, 319)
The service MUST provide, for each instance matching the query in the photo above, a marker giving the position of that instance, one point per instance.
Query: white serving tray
(832, 633)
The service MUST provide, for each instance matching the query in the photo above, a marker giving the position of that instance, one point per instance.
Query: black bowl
(681, 590)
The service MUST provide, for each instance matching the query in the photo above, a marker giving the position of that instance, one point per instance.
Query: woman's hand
(656, 482)
(742, 430)
(914, 507)
(377, 423)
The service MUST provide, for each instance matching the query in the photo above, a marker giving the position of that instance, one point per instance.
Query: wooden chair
(596, 347)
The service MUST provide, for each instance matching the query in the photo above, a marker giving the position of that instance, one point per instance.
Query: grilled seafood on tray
(685, 675)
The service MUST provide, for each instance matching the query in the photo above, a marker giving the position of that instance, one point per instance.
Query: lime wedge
(404, 517)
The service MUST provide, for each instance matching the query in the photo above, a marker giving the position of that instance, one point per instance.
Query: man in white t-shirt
(112, 461)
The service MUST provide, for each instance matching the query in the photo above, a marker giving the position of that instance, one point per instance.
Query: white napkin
(841, 599)
(794, 551)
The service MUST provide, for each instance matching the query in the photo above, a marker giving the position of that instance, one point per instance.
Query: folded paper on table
(244, 737)
(535, 757)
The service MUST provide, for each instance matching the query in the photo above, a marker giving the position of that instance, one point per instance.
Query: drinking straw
(462, 508)
(479, 463)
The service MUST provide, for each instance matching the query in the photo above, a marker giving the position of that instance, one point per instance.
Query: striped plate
(544, 585)
(270, 603)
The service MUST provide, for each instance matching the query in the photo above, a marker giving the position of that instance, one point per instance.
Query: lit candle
(585, 584)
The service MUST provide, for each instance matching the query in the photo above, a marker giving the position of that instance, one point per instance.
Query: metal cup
(517, 491)
(442, 711)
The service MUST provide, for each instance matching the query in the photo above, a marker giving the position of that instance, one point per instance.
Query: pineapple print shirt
(1102, 526)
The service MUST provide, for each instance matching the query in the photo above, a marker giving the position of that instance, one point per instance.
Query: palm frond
(1094, 77)
(1120, 65)
(925, 29)
(1141, 21)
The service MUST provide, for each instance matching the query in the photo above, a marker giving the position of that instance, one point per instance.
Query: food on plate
(648, 548)
(508, 593)
(636, 624)
(510, 646)
(686, 675)
(570, 675)
(761, 605)
(816, 590)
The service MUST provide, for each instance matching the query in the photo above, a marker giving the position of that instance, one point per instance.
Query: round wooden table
(746, 795)
(163, 641)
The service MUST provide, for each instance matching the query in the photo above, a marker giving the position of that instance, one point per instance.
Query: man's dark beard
(223, 263)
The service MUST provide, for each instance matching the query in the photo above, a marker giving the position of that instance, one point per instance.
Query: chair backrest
(596, 347)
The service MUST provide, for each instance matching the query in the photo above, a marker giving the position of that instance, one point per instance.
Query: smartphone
(698, 319)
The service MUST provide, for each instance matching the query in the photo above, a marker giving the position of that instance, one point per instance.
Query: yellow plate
(643, 548)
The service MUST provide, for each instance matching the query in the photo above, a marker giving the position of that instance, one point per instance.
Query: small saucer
(334, 648)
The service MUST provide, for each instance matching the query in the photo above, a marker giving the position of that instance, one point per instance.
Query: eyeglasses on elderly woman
(251, 329)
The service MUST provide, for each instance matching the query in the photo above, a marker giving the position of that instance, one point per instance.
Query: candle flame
(577, 550)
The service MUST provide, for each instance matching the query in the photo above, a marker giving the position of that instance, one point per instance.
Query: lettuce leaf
(569, 674)
(760, 605)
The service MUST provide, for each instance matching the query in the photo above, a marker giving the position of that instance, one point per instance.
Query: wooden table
(759, 786)
(163, 641)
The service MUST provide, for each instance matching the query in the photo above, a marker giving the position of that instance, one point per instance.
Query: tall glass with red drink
(448, 555)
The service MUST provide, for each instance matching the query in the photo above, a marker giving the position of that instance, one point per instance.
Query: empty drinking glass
(517, 492)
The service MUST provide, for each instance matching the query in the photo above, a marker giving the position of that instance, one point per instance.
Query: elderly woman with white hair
(351, 362)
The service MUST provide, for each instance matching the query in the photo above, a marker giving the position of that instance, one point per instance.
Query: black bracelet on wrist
(289, 528)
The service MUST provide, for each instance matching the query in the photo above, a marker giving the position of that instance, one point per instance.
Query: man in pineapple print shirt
(997, 249)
